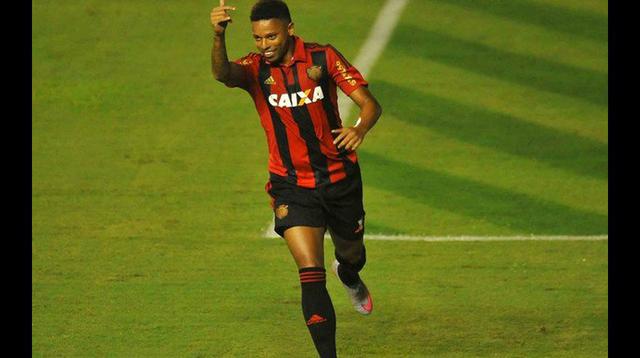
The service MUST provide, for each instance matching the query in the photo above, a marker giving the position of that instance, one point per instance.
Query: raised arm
(224, 71)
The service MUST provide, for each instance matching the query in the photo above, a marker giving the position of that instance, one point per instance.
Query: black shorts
(337, 206)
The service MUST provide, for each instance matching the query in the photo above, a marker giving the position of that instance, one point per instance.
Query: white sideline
(373, 46)
(269, 233)
(485, 238)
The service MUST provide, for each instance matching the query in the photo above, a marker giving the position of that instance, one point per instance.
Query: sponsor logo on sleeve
(345, 75)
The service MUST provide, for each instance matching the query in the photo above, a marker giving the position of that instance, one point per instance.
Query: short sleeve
(345, 76)
(249, 66)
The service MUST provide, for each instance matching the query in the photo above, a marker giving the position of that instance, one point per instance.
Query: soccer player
(314, 175)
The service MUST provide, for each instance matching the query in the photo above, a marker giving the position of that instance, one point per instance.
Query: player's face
(273, 38)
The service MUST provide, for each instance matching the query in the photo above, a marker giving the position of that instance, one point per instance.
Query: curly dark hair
(270, 9)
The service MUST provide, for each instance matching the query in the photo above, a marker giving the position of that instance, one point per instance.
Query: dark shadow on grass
(494, 130)
(570, 21)
(520, 212)
(591, 86)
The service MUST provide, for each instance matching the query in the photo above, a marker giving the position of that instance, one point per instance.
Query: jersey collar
(299, 53)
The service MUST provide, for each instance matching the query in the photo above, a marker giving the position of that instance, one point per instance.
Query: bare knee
(309, 262)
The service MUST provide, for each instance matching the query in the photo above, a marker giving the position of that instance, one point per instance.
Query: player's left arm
(370, 110)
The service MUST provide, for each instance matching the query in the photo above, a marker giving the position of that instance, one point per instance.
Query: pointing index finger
(222, 5)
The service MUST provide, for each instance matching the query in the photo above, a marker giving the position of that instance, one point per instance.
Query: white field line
(485, 238)
(375, 43)
(369, 52)
(269, 233)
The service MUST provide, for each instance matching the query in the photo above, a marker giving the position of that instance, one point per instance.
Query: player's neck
(288, 56)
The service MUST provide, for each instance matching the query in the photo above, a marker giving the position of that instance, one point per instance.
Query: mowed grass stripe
(559, 112)
(520, 212)
(575, 22)
(595, 7)
(511, 35)
(537, 73)
(497, 131)
(420, 97)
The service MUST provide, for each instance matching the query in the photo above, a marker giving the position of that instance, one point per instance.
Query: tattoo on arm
(224, 71)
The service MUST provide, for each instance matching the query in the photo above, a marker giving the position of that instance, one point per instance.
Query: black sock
(348, 272)
(318, 310)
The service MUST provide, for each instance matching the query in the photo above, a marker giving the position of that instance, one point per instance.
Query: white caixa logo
(296, 99)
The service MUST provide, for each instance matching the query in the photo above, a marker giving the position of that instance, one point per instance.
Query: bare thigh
(306, 245)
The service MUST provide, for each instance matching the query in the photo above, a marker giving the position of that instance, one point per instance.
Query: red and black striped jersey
(298, 108)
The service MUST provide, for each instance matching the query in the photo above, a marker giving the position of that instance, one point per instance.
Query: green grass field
(148, 176)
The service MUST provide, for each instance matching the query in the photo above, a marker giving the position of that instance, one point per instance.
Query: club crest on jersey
(296, 99)
(314, 73)
(282, 211)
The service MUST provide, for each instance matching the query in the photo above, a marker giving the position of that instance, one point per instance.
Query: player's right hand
(220, 18)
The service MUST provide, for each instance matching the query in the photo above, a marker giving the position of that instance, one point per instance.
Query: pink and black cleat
(359, 295)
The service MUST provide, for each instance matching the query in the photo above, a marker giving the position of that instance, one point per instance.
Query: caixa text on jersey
(297, 98)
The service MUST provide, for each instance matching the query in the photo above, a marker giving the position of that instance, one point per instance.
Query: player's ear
(290, 29)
